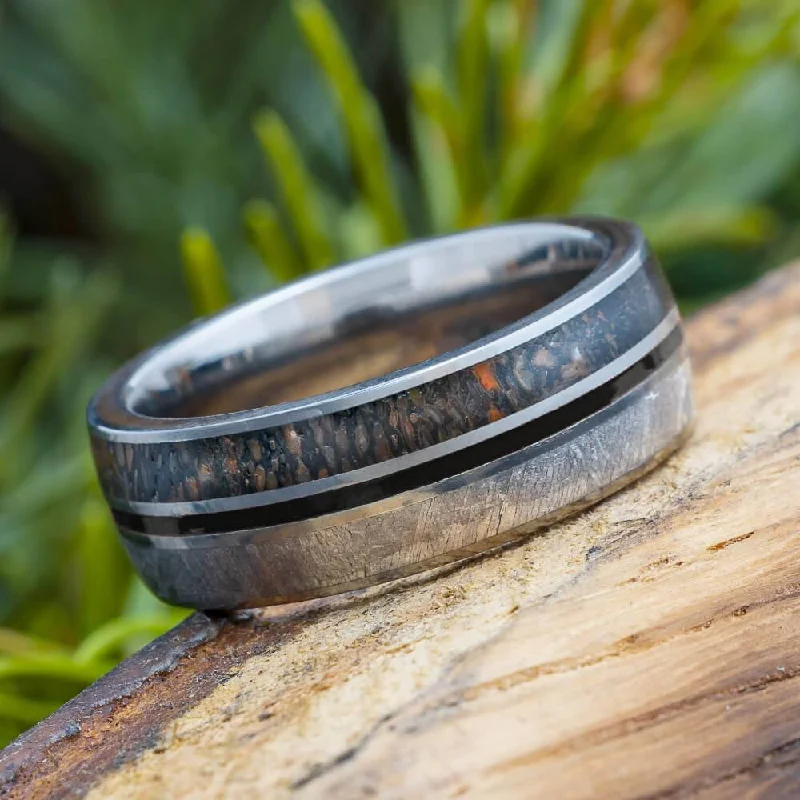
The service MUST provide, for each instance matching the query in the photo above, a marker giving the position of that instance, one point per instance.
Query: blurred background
(158, 160)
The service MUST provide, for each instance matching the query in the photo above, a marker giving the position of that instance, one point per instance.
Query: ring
(393, 414)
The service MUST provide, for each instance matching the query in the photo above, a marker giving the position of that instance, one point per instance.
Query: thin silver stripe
(273, 416)
(598, 378)
(675, 369)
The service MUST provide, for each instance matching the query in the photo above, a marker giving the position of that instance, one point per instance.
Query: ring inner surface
(389, 313)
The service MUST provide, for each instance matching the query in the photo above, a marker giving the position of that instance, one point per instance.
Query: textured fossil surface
(393, 426)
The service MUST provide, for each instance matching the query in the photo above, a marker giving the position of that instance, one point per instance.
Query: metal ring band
(583, 389)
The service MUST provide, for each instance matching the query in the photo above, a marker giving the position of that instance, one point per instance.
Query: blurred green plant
(69, 608)
(145, 109)
(657, 111)
(676, 113)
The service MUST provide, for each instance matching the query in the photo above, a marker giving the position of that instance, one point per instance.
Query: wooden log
(647, 647)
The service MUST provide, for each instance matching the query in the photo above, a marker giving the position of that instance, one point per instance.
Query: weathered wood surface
(647, 648)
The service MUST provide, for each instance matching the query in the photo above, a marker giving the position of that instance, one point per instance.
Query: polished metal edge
(549, 318)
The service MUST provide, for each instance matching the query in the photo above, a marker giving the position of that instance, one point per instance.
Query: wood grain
(647, 648)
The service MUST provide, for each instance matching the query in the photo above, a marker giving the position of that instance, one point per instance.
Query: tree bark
(647, 647)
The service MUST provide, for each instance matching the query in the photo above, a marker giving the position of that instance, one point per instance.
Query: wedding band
(393, 414)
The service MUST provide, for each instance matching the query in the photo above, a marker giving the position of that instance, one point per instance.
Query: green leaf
(721, 226)
(203, 272)
(52, 665)
(74, 314)
(439, 111)
(748, 132)
(102, 566)
(425, 32)
(508, 31)
(19, 332)
(297, 188)
(529, 168)
(110, 639)
(439, 185)
(359, 231)
(265, 233)
(14, 642)
(472, 58)
(363, 122)
(24, 710)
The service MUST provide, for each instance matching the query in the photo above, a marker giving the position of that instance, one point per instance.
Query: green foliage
(203, 272)
(66, 589)
(678, 114)
(359, 112)
(299, 193)
(146, 109)
(654, 111)
(269, 240)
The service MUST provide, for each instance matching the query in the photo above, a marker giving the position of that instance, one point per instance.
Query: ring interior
(369, 319)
